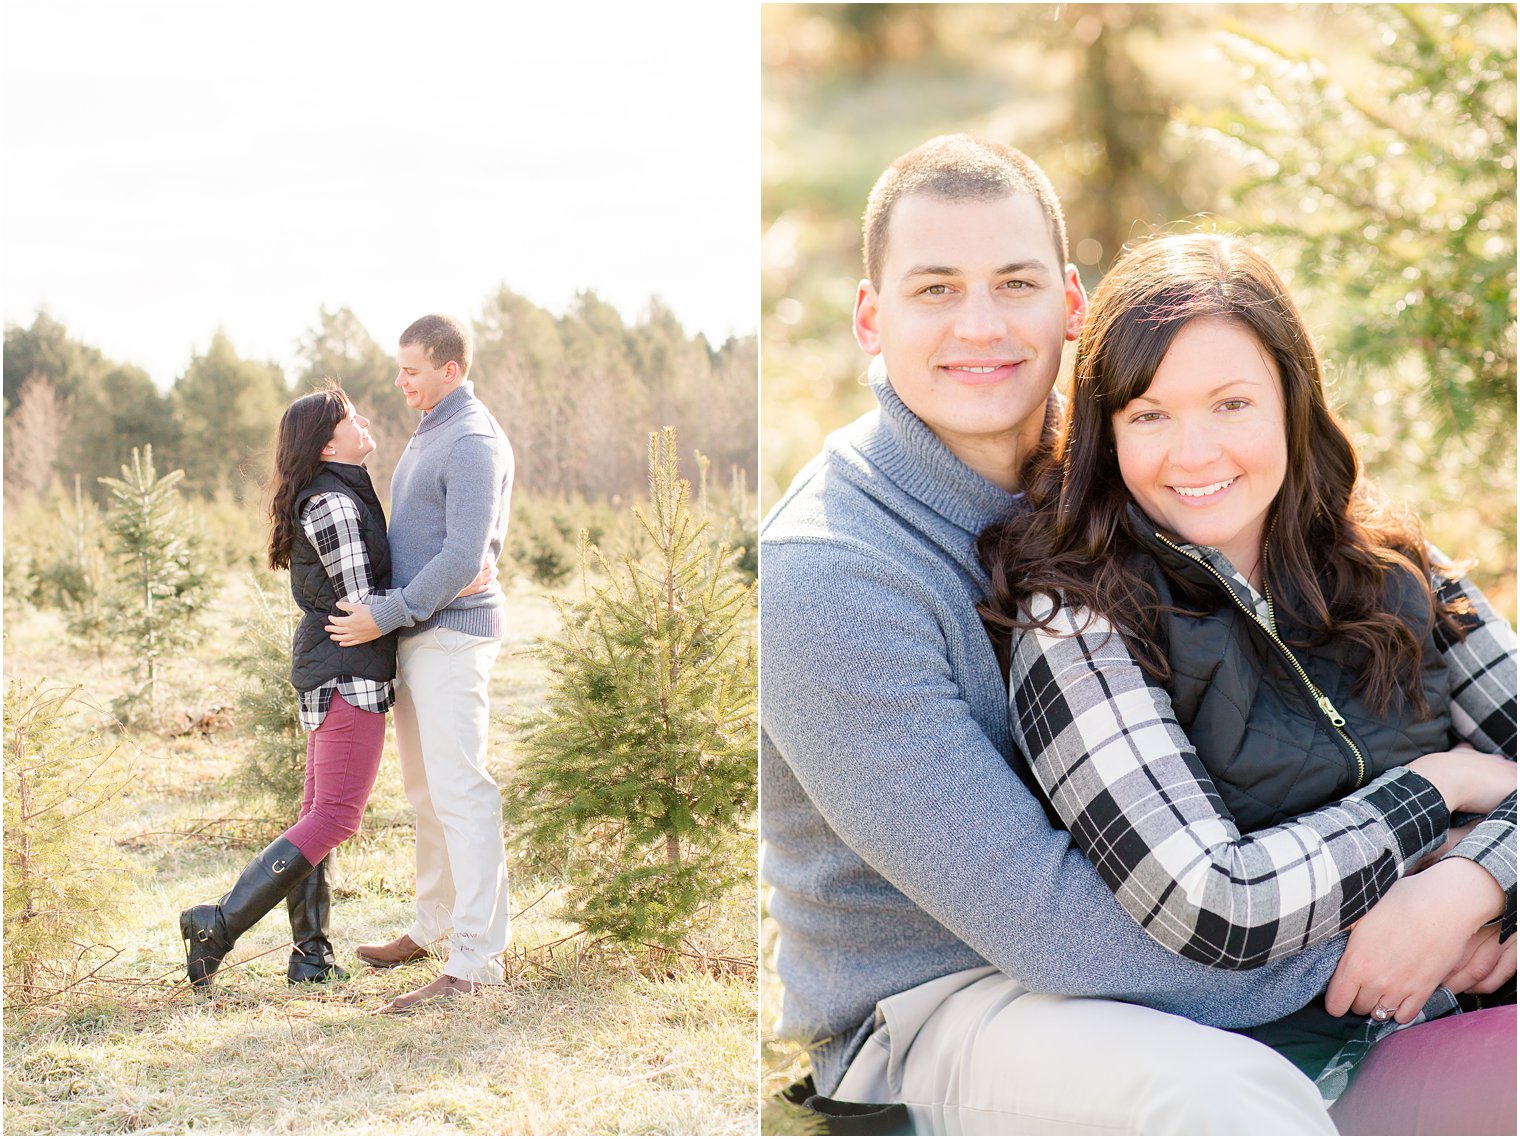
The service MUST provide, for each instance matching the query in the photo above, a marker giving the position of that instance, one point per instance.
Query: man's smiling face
(423, 384)
(970, 316)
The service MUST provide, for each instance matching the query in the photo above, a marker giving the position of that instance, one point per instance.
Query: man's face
(423, 384)
(973, 308)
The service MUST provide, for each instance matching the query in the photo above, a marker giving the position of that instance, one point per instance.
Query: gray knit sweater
(449, 500)
(899, 844)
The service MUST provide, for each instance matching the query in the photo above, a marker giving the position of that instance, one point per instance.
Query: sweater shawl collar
(900, 446)
(448, 407)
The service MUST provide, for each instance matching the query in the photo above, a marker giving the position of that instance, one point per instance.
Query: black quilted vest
(315, 657)
(1262, 732)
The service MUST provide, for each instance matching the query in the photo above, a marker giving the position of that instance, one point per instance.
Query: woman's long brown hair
(1333, 539)
(305, 429)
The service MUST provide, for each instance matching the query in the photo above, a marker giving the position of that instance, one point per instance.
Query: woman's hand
(1416, 936)
(1467, 779)
(480, 583)
(1490, 964)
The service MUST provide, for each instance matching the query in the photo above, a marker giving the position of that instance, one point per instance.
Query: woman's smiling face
(1203, 450)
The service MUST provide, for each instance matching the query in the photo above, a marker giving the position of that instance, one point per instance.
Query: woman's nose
(1195, 445)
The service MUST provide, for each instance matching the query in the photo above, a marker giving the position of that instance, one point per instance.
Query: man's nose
(399, 377)
(976, 319)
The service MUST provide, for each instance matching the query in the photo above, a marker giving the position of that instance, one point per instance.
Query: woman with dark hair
(1248, 688)
(328, 528)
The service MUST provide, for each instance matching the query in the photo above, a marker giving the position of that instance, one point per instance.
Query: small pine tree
(63, 879)
(274, 767)
(161, 582)
(87, 606)
(638, 774)
(21, 581)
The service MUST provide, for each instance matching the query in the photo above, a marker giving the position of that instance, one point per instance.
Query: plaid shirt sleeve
(1103, 743)
(331, 521)
(1482, 671)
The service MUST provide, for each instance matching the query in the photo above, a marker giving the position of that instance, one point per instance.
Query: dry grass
(783, 1062)
(582, 1039)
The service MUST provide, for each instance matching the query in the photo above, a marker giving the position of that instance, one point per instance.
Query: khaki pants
(975, 1053)
(442, 716)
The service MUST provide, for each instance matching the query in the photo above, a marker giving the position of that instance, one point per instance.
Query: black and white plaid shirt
(1482, 669)
(331, 521)
(1103, 743)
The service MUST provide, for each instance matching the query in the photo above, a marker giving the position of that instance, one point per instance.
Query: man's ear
(1076, 303)
(867, 312)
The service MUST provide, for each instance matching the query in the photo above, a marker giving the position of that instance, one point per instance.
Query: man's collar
(446, 408)
(915, 458)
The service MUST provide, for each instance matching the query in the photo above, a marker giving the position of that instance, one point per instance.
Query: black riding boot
(310, 907)
(211, 928)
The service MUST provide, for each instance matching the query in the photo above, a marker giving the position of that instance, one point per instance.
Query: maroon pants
(342, 759)
(1454, 1076)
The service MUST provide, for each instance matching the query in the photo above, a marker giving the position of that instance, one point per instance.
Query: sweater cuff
(389, 612)
(1492, 846)
(1413, 810)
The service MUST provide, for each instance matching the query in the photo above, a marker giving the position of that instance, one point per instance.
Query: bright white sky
(172, 167)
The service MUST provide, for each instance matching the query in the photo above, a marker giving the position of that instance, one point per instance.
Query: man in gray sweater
(926, 906)
(449, 500)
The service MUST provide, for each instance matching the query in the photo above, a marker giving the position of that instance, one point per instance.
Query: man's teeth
(969, 368)
(1202, 491)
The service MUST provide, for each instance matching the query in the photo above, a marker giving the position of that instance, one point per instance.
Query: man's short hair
(443, 338)
(956, 167)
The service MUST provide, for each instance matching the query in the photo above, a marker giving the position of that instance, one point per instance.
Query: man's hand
(355, 629)
(481, 581)
(1418, 934)
(1491, 964)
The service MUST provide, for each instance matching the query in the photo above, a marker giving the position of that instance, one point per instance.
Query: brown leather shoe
(445, 988)
(402, 951)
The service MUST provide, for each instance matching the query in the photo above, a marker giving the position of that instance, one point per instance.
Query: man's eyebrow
(1026, 266)
(1031, 265)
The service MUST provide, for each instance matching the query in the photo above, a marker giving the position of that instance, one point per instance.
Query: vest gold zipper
(1323, 702)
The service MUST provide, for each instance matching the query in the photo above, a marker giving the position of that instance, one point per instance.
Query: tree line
(577, 394)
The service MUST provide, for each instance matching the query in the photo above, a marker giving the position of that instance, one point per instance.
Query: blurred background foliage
(1369, 150)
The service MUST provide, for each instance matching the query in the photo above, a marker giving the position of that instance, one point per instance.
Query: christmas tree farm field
(586, 1037)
